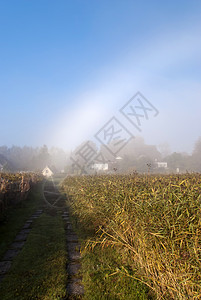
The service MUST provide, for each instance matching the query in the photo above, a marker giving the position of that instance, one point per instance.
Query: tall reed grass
(154, 220)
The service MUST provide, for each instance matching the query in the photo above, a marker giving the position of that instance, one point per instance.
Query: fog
(66, 81)
(118, 156)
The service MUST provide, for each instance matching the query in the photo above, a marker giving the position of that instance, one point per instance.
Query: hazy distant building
(118, 158)
(47, 172)
(100, 166)
(161, 164)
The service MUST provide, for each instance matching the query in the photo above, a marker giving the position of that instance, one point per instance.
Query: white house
(100, 167)
(47, 172)
(119, 158)
(161, 164)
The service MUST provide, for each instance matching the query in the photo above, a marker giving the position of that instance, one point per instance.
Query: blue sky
(66, 67)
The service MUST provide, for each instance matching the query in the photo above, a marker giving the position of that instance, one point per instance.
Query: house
(118, 158)
(100, 166)
(47, 172)
(161, 164)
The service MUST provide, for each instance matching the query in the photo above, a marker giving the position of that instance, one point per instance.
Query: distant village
(100, 168)
(134, 157)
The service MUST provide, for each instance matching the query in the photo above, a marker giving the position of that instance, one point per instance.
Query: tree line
(136, 155)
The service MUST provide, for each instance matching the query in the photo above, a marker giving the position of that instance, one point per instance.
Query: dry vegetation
(14, 187)
(153, 220)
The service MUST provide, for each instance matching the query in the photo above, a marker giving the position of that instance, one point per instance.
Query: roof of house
(52, 169)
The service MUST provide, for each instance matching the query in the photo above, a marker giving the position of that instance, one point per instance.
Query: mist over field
(100, 72)
(87, 158)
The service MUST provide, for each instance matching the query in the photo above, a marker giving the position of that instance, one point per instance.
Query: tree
(164, 149)
(82, 157)
(178, 160)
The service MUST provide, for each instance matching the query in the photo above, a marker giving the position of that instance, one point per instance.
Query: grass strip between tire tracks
(39, 271)
(16, 216)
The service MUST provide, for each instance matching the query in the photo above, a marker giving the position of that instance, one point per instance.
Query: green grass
(15, 217)
(59, 178)
(103, 274)
(39, 271)
(102, 277)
